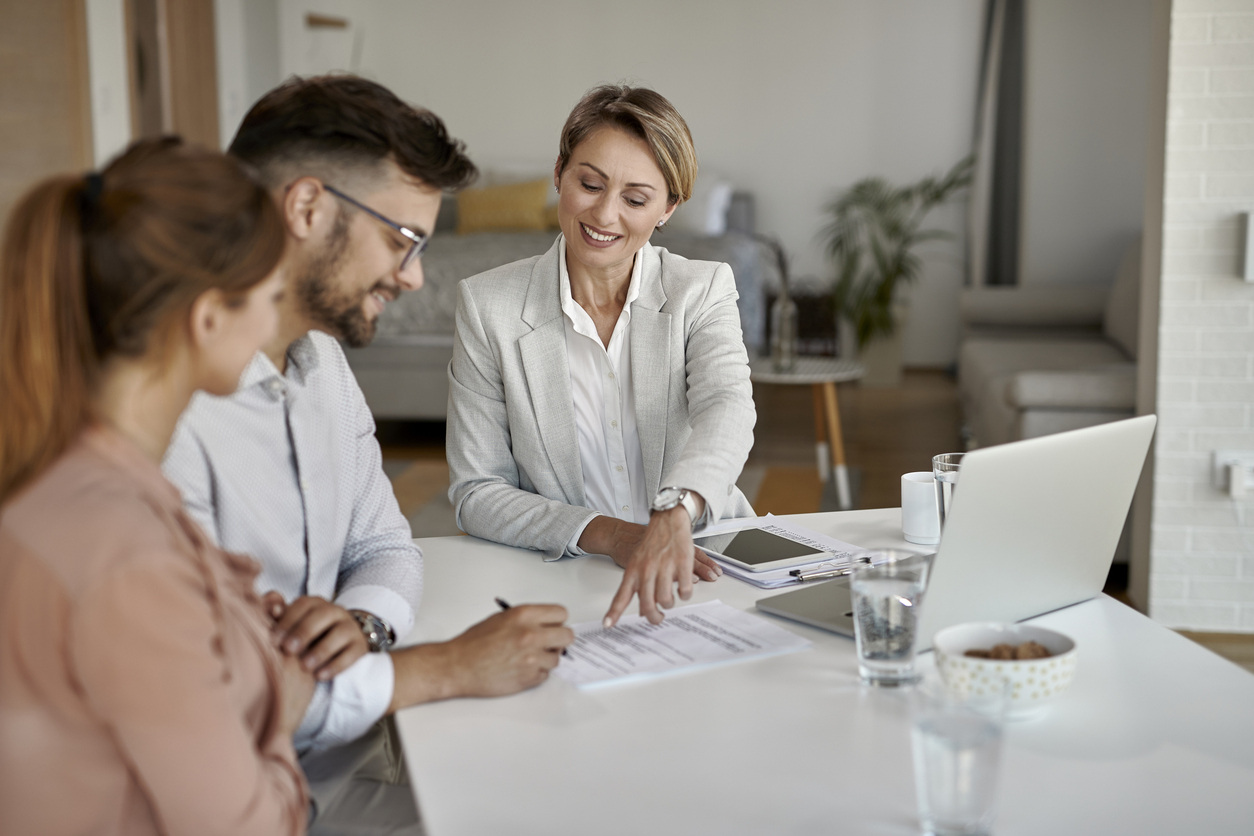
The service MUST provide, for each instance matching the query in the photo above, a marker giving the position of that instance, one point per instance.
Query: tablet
(758, 551)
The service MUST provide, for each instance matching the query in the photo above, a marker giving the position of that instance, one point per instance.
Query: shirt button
(613, 423)
(626, 507)
(619, 468)
(611, 375)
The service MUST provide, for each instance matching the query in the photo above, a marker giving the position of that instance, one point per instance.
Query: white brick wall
(1202, 548)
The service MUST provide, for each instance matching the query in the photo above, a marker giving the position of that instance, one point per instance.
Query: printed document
(692, 636)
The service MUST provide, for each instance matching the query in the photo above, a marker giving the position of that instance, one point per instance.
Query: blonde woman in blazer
(599, 394)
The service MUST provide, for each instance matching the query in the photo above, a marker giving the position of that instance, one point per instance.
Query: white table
(1155, 735)
(822, 374)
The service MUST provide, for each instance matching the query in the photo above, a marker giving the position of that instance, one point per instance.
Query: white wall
(110, 87)
(1086, 107)
(1202, 552)
(792, 100)
(247, 41)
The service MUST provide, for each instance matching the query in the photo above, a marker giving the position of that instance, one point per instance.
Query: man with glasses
(288, 470)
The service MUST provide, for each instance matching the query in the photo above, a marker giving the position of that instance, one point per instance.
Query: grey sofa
(404, 372)
(1042, 359)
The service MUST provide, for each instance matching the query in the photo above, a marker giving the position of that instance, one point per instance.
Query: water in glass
(956, 759)
(886, 602)
(945, 469)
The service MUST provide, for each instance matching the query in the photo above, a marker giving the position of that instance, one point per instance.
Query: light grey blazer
(512, 449)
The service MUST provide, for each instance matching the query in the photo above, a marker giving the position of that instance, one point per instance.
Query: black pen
(504, 605)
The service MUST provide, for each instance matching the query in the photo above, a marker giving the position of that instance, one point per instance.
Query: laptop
(1032, 527)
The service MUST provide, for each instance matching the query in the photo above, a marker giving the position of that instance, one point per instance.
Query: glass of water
(957, 757)
(945, 469)
(886, 601)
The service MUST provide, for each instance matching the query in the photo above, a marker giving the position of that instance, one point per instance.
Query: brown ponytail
(111, 264)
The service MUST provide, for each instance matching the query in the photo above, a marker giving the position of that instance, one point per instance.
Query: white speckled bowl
(1033, 682)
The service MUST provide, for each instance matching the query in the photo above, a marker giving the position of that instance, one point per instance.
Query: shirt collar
(569, 305)
(302, 359)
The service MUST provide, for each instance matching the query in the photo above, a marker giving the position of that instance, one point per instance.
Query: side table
(822, 373)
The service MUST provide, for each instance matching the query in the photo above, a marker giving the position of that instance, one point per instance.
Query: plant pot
(881, 356)
(882, 359)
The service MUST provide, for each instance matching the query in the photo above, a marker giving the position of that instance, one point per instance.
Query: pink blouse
(139, 691)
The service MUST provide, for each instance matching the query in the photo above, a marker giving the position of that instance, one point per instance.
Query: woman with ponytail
(139, 689)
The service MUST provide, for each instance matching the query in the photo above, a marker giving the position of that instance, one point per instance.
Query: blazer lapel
(543, 354)
(650, 368)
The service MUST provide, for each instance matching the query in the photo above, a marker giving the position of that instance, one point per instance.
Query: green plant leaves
(871, 237)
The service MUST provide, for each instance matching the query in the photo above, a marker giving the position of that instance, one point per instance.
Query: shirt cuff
(353, 702)
(572, 546)
(703, 520)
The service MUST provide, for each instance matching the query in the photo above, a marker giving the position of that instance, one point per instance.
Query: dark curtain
(999, 144)
(1003, 239)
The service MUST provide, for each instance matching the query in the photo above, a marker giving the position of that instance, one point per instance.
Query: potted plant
(871, 237)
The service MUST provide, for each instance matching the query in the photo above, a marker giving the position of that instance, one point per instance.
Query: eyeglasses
(418, 241)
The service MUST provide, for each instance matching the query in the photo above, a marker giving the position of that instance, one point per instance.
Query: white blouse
(605, 409)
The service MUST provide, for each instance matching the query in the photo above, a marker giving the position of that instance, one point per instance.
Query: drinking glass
(945, 469)
(886, 601)
(957, 746)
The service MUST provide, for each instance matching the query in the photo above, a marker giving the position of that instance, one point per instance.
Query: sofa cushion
(987, 367)
(983, 362)
(1123, 308)
(1109, 387)
(1038, 422)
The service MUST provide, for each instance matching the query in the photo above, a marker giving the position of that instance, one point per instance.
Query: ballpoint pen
(827, 574)
(504, 605)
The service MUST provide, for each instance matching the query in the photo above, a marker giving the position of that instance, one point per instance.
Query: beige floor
(887, 432)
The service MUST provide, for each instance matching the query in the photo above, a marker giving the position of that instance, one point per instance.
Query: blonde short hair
(643, 113)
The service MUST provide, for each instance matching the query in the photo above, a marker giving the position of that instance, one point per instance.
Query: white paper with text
(696, 635)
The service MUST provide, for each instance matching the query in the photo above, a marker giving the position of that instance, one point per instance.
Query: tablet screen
(755, 547)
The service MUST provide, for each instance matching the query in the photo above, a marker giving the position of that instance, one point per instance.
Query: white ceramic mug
(920, 522)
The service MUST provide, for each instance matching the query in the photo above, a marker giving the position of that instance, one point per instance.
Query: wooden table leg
(832, 408)
(822, 453)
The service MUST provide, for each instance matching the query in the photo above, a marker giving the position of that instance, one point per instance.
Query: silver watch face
(375, 631)
(667, 499)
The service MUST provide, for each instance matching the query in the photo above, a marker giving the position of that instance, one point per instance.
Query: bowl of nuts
(1030, 664)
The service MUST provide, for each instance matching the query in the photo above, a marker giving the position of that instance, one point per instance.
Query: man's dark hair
(341, 126)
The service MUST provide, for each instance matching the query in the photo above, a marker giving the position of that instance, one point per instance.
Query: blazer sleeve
(485, 484)
(721, 413)
(148, 651)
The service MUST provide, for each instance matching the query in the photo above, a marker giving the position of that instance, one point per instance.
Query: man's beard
(330, 310)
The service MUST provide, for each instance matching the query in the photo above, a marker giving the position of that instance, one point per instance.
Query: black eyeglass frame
(418, 241)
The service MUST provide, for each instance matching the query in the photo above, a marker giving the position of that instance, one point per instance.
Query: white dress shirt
(288, 470)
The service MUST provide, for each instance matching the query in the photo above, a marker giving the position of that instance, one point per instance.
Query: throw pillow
(514, 206)
(706, 212)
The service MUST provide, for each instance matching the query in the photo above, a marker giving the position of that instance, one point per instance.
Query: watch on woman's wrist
(668, 498)
(378, 633)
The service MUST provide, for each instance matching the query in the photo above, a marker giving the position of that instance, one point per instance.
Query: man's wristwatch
(668, 498)
(379, 635)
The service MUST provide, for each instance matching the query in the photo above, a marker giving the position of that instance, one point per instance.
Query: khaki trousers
(362, 788)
